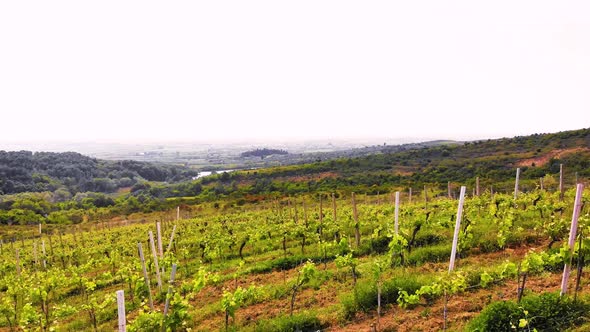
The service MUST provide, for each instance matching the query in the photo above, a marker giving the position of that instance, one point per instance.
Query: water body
(207, 173)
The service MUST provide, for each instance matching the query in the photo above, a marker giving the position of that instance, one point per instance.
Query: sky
(236, 70)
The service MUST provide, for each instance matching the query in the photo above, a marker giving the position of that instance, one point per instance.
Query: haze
(268, 70)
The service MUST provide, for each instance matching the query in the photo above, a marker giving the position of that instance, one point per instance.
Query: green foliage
(437, 253)
(364, 297)
(202, 278)
(25, 171)
(29, 317)
(347, 261)
(178, 315)
(545, 312)
(397, 249)
(231, 301)
(146, 320)
(304, 322)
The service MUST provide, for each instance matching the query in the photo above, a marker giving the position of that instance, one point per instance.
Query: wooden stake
(449, 189)
(145, 275)
(396, 214)
(572, 237)
(580, 266)
(17, 263)
(541, 182)
(410, 196)
(357, 232)
(171, 239)
(334, 207)
(35, 253)
(561, 188)
(159, 234)
(457, 228)
(516, 183)
(321, 217)
(305, 220)
(155, 256)
(178, 213)
(170, 287)
(44, 254)
(477, 192)
(121, 310)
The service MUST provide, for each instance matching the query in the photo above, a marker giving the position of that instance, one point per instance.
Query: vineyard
(324, 261)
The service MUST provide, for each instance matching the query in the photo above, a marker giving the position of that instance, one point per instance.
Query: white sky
(200, 70)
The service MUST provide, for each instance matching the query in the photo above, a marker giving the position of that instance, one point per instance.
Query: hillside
(494, 161)
(70, 181)
(273, 250)
(25, 171)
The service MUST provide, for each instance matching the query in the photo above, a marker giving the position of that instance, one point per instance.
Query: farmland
(329, 257)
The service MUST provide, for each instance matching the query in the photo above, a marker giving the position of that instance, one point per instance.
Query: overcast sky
(210, 70)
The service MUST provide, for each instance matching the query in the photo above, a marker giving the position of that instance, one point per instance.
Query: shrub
(546, 312)
(427, 239)
(437, 253)
(364, 297)
(306, 321)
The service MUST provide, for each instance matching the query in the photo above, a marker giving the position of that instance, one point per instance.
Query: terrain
(315, 246)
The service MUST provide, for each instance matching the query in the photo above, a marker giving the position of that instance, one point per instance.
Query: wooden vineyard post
(580, 266)
(396, 220)
(477, 192)
(121, 310)
(82, 238)
(425, 197)
(168, 295)
(305, 220)
(178, 213)
(171, 239)
(155, 256)
(295, 213)
(321, 217)
(454, 249)
(457, 228)
(17, 259)
(541, 183)
(449, 189)
(334, 207)
(44, 254)
(516, 183)
(410, 196)
(145, 275)
(159, 234)
(35, 255)
(572, 237)
(561, 189)
(40, 230)
(357, 231)
(334, 216)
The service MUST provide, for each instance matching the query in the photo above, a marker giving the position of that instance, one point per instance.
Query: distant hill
(25, 171)
(69, 177)
(434, 163)
(263, 153)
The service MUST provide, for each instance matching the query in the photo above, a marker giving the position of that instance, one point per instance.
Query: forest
(25, 171)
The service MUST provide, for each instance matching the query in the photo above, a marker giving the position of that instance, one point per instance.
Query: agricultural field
(320, 261)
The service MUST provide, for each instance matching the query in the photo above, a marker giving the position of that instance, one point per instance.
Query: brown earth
(544, 159)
